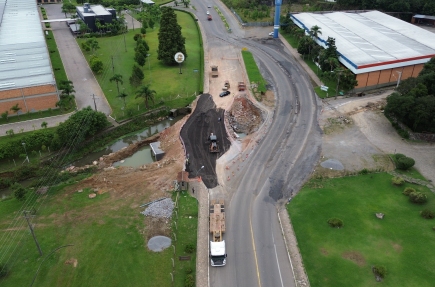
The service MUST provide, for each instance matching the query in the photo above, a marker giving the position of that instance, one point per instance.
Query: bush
(380, 271)
(408, 190)
(190, 248)
(190, 281)
(19, 191)
(4, 270)
(397, 180)
(405, 163)
(428, 214)
(364, 171)
(189, 270)
(335, 222)
(417, 197)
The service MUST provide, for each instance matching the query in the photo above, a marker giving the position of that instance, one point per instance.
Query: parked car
(223, 94)
(208, 13)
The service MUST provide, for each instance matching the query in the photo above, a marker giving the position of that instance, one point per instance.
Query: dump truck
(209, 18)
(214, 71)
(217, 229)
(241, 86)
(213, 143)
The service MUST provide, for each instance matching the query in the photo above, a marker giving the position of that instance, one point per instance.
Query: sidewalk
(32, 125)
(304, 65)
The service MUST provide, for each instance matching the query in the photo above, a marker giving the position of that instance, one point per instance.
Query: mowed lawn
(173, 88)
(403, 241)
(109, 247)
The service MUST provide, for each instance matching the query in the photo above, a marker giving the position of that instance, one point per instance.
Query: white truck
(217, 228)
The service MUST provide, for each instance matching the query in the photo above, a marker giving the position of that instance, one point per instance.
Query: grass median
(344, 257)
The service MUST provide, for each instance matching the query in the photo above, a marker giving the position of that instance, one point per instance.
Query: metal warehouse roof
(24, 59)
(94, 10)
(371, 41)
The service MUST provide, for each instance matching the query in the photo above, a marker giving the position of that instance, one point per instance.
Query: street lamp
(27, 157)
(196, 173)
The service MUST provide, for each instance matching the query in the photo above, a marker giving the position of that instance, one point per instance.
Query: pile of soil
(244, 116)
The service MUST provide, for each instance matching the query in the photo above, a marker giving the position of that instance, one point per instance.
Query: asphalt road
(273, 171)
(76, 67)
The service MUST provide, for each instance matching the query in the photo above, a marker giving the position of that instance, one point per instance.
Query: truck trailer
(217, 228)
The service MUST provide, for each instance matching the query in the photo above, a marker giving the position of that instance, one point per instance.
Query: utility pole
(31, 231)
(338, 82)
(95, 103)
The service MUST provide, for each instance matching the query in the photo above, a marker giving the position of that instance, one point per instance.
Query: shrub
(335, 222)
(96, 65)
(364, 171)
(397, 180)
(19, 191)
(417, 197)
(189, 270)
(190, 248)
(4, 270)
(428, 214)
(189, 281)
(405, 163)
(408, 190)
(380, 271)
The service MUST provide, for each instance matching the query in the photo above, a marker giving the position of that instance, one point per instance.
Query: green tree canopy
(171, 40)
(146, 93)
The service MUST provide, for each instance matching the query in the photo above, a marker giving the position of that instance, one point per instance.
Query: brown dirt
(72, 262)
(355, 257)
(244, 116)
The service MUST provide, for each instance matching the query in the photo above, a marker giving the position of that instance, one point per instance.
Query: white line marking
(277, 262)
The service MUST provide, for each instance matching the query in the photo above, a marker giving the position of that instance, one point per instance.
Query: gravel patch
(161, 209)
(332, 164)
(159, 243)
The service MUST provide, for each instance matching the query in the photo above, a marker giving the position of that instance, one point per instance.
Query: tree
(171, 40)
(68, 7)
(151, 23)
(5, 115)
(15, 108)
(315, 32)
(93, 43)
(146, 93)
(81, 125)
(44, 125)
(118, 79)
(186, 3)
(66, 95)
(136, 76)
(326, 57)
(347, 80)
(96, 65)
(305, 44)
(19, 191)
(139, 58)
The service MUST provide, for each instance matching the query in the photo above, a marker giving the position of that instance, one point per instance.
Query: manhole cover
(159, 243)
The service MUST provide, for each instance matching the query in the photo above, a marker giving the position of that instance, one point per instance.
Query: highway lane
(282, 160)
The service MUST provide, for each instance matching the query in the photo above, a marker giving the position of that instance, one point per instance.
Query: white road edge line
(277, 261)
(286, 247)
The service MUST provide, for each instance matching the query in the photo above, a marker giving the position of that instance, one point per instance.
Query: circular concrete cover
(159, 243)
(332, 164)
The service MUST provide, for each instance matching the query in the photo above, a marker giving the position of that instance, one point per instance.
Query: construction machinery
(226, 85)
(213, 143)
(217, 229)
(241, 86)
(214, 71)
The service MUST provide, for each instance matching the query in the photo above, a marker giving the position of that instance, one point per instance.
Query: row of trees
(414, 102)
(326, 59)
(414, 6)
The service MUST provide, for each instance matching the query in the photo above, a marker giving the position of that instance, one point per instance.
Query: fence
(250, 24)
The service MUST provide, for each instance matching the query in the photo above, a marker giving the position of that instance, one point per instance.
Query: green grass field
(402, 241)
(173, 89)
(109, 246)
(56, 61)
(254, 74)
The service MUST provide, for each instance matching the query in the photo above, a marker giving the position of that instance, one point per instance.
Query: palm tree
(146, 93)
(315, 31)
(44, 125)
(15, 108)
(118, 79)
(333, 62)
(123, 96)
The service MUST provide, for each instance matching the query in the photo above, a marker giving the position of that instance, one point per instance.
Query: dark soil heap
(244, 116)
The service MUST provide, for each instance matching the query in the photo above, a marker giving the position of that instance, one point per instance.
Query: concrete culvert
(159, 243)
(332, 164)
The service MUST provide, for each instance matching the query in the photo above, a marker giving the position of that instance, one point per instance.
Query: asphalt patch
(195, 133)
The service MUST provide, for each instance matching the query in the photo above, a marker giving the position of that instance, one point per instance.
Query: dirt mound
(244, 116)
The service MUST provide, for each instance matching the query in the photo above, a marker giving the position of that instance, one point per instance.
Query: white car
(208, 13)
(271, 33)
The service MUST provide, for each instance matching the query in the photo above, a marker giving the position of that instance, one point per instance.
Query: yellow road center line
(255, 252)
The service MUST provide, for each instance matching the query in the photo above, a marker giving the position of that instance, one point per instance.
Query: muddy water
(140, 157)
